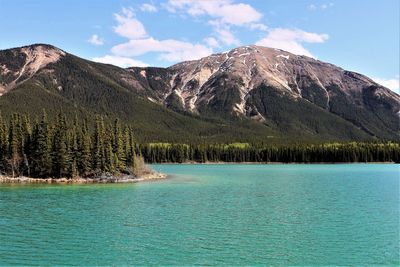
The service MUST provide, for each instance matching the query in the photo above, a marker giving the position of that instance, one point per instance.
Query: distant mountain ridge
(249, 93)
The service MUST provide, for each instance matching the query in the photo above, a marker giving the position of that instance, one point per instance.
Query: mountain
(250, 93)
(279, 89)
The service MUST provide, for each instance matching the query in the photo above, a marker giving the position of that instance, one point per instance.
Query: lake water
(209, 215)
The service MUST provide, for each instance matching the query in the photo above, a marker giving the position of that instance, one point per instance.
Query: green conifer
(118, 148)
(85, 155)
(98, 145)
(61, 148)
(41, 148)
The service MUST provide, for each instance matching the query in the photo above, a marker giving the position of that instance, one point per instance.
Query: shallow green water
(210, 215)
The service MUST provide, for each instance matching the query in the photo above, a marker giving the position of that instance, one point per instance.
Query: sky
(357, 35)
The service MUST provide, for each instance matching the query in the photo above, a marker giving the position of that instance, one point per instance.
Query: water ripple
(210, 215)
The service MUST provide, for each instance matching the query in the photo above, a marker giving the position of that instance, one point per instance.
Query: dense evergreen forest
(262, 153)
(66, 149)
(89, 149)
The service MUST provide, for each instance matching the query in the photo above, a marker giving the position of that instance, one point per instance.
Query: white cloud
(258, 26)
(211, 41)
(325, 6)
(223, 33)
(392, 84)
(122, 62)
(146, 7)
(320, 7)
(128, 26)
(312, 7)
(140, 43)
(170, 49)
(291, 40)
(221, 15)
(224, 10)
(226, 36)
(95, 40)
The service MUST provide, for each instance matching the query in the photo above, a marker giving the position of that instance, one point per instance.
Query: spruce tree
(118, 148)
(3, 145)
(16, 145)
(108, 157)
(74, 155)
(74, 169)
(127, 147)
(26, 130)
(98, 145)
(41, 148)
(85, 155)
(60, 148)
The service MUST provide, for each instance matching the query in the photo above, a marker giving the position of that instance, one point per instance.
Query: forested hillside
(249, 94)
(69, 148)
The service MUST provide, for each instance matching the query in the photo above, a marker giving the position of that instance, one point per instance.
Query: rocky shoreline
(80, 180)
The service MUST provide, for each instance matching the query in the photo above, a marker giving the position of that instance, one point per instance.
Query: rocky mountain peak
(245, 68)
(27, 61)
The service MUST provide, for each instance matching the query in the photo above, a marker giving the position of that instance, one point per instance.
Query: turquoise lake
(344, 214)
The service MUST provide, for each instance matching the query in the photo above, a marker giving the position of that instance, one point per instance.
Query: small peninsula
(69, 152)
(79, 180)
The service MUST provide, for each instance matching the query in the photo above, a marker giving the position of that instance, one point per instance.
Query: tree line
(63, 149)
(302, 153)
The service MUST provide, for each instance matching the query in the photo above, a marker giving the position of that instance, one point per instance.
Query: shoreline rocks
(80, 180)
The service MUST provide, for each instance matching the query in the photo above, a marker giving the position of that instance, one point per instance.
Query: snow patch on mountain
(283, 56)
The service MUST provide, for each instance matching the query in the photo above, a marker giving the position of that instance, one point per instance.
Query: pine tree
(16, 145)
(3, 145)
(118, 148)
(60, 148)
(132, 152)
(127, 146)
(41, 148)
(98, 145)
(74, 169)
(85, 155)
(108, 157)
(74, 155)
(26, 130)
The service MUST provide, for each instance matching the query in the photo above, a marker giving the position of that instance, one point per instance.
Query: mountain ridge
(285, 95)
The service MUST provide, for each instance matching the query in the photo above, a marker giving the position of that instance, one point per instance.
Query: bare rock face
(195, 82)
(246, 80)
(30, 59)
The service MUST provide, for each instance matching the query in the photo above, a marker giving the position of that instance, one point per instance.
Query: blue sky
(358, 35)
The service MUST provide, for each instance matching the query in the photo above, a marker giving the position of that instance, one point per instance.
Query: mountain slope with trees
(250, 94)
(69, 149)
